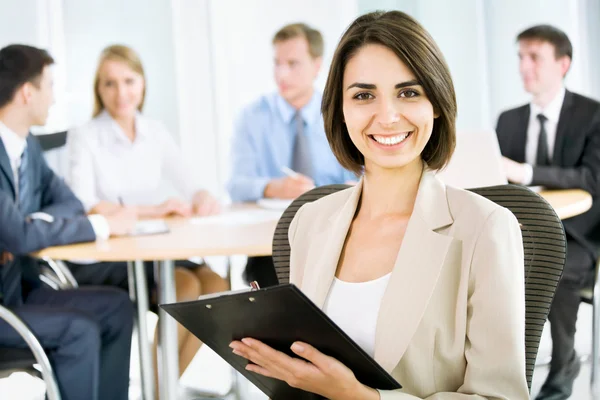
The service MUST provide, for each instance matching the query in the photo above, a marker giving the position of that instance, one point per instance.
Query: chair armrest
(36, 348)
(62, 272)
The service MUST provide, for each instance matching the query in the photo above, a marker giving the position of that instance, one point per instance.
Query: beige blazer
(452, 320)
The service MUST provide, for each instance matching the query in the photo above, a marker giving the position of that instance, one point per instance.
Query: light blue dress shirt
(263, 142)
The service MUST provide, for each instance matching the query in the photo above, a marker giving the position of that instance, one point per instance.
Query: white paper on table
(536, 189)
(150, 227)
(274, 204)
(240, 217)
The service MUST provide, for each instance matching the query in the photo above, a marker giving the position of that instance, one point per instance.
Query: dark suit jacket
(20, 235)
(575, 160)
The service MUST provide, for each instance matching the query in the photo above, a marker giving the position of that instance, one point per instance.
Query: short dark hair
(312, 36)
(413, 45)
(20, 64)
(554, 36)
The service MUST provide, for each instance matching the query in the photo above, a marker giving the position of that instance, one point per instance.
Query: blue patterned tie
(24, 193)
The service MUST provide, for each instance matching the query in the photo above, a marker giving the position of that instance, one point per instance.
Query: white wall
(18, 22)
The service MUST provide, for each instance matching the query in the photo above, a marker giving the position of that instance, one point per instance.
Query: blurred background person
(279, 149)
(121, 159)
(554, 141)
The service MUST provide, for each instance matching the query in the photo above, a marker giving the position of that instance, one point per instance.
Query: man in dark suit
(555, 142)
(86, 332)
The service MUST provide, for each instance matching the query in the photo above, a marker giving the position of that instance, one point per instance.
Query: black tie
(543, 157)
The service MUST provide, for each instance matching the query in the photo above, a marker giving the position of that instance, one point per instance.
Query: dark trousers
(87, 336)
(107, 274)
(261, 270)
(577, 274)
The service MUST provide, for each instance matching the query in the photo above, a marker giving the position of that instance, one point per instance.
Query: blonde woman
(122, 159)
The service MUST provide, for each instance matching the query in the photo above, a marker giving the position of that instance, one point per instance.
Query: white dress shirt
(552, 113)
(354, 307)
(15, 146)
(106, 165)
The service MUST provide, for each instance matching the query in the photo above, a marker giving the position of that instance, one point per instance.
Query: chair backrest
(476, 161)
(53, 145)
(543, 240)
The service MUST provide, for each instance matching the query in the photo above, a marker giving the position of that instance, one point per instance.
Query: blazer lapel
(520, 136)
(415, 273)
(6, 168)
(564, 120)
(319, 273)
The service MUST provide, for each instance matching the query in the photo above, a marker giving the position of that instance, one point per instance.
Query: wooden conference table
(241, 229)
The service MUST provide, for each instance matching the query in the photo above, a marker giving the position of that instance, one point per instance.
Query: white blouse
(354, 307)
(106, 165)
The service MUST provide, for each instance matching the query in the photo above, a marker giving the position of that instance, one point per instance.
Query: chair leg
(595, 342)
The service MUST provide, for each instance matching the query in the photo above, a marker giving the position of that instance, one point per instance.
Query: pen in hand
(289, 172)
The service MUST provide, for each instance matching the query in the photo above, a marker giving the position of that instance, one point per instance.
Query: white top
(354, 307)
(106, 165)
(15, 145)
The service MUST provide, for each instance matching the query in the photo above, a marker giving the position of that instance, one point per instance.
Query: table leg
(168, 361)
(145, 349)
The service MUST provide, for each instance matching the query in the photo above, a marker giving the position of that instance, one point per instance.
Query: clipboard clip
(254, 286)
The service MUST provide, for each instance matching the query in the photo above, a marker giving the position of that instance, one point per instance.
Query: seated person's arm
(585, 176)
(247, 182)
(21, 235)
(105, 208)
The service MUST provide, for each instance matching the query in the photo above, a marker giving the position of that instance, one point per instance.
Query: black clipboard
(277, 316)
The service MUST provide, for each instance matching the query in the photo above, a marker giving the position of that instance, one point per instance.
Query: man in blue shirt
(282, 132)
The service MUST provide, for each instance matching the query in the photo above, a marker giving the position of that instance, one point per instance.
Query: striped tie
(24, 192)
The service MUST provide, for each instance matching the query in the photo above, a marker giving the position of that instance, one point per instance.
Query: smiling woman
(439, 298)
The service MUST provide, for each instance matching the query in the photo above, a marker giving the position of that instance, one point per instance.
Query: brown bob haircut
(414, 47)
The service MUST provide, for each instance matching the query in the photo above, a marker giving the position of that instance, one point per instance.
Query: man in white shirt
(555, 142)
(88, 331)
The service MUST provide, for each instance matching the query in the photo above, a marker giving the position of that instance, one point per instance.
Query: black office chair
(543, 241)
(52, 141)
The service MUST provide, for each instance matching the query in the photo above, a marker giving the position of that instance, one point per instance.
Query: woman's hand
(175, 206)
(319, 374)
(205, 204)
